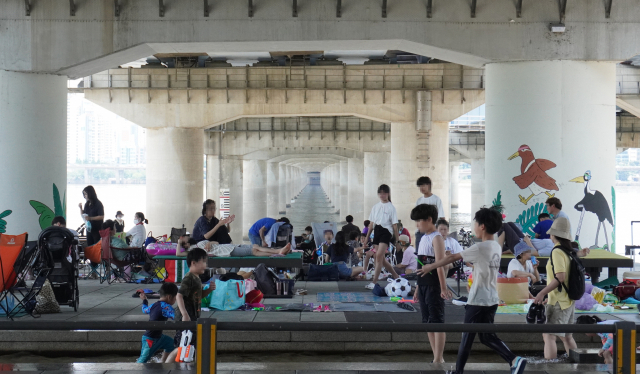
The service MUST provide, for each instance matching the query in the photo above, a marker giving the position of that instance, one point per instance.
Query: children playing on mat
(483, 298)
(162, 310)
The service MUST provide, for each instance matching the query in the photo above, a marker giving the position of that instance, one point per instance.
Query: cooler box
(633, 276)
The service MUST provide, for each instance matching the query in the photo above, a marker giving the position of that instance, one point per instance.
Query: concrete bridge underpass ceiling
(468, 32)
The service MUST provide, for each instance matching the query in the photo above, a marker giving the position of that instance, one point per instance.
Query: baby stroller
(61, 244)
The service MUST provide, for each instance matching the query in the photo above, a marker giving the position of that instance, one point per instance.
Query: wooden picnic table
(593, 263)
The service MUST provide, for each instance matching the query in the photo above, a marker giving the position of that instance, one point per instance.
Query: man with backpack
(565, 285)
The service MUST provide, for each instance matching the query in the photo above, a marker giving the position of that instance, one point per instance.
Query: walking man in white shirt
(424, 184)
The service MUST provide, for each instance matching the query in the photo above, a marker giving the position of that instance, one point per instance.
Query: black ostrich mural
(594, 202)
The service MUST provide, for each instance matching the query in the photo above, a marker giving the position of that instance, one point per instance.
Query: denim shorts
(345, 271)
(255, 239)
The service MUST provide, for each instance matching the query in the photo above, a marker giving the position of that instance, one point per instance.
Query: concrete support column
(231, 178)
(477, 185)
(404, 151)
(174, 198)
(376, 172)
(551, 124)
(336, 187)
(438, 165)
(344, 189)
(356, 189)
(255, 183)
(213, 179)
(33, 139)
(454, 183)
(282, 188)
(273, 195)
(329, 190)
(289, 185)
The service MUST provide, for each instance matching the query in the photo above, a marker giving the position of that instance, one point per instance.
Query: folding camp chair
(116, 269)
(10, 248)
(177, 233)
(26, 301)
(93, 253)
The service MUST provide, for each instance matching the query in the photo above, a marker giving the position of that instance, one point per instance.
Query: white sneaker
(370, 286)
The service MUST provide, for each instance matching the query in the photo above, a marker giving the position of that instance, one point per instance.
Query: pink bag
(250, 285)
(162, 249)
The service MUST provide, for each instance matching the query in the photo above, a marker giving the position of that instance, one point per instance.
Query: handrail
(96, 325)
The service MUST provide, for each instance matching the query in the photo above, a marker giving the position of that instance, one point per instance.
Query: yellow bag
(598, 294)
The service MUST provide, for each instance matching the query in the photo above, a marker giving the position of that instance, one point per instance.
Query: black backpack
(284, 236)
(265, 279)
(576, 275)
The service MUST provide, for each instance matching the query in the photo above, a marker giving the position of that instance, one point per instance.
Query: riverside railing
(207, 328)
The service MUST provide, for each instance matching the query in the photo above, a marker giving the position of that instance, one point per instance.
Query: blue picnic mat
(351, 297)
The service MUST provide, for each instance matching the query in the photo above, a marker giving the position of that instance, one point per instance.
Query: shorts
(558, 316)
(381, 235)
(255, 239)
(344, 270)
(150, 346)
(431, 304)
(178, 337)
(243, 250)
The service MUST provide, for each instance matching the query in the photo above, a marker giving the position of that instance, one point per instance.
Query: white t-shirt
(517, 266)
(452, 245)
(432, 200)
(485, 257)
(384, 215)
(138, 235)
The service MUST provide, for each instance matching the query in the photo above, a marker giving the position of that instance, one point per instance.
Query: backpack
(265, 279)
(284, 236)
(625, 289)
(576, 275)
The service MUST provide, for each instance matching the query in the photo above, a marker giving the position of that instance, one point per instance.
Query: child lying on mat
(232, 250)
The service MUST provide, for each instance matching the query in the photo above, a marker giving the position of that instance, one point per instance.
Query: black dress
(119, 227)
(94, 210)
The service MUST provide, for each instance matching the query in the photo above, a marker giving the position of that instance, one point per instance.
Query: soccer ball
(398, 288)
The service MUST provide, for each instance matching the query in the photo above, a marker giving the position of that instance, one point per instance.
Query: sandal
(301, 292)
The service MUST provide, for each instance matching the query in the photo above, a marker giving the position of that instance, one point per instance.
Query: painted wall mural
(533, 174)
(593, 202)
(3, 223)
(47, 214)
(529, 218)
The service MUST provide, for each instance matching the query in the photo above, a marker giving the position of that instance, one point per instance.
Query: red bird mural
(534, 176)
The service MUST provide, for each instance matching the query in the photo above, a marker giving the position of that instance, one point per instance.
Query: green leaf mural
(529, 218)
(47, 214)
(3, 223)
(497, 202)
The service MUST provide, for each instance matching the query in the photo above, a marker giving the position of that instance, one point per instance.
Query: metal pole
(625, 348)
(206, 350)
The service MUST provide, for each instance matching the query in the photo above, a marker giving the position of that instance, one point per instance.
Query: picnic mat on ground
(351, 297)
(519, 309)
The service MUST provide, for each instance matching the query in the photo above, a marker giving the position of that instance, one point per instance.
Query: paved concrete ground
(299, 368)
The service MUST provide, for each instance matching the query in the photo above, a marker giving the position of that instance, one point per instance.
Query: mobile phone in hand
(533, 260)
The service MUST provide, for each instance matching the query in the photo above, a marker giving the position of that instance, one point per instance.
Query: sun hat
(520, 248)
(561, 228)
(404, 238)
(119, 213)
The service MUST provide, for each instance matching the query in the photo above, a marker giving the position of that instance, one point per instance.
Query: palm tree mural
(45, 213)
(3, 223)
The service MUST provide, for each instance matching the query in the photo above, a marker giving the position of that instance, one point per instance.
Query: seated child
(544, 224)
(451, 245)
(152, 341)
(409, 259)
(606, 351)
(307, 235)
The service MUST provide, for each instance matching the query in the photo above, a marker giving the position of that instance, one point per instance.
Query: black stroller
(64, 277)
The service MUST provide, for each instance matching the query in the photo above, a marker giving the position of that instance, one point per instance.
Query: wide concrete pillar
(231, 178)
(273, 173)
(454, 175)
(344, 189)
(213, 179)
(376, 172)
(254, 186)
(33, 140)
(548, 123)
(404, 150)
(478, 185)
(289, 185)
(282, 188)
(174, 198)
(438, 165)
(355, 189)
